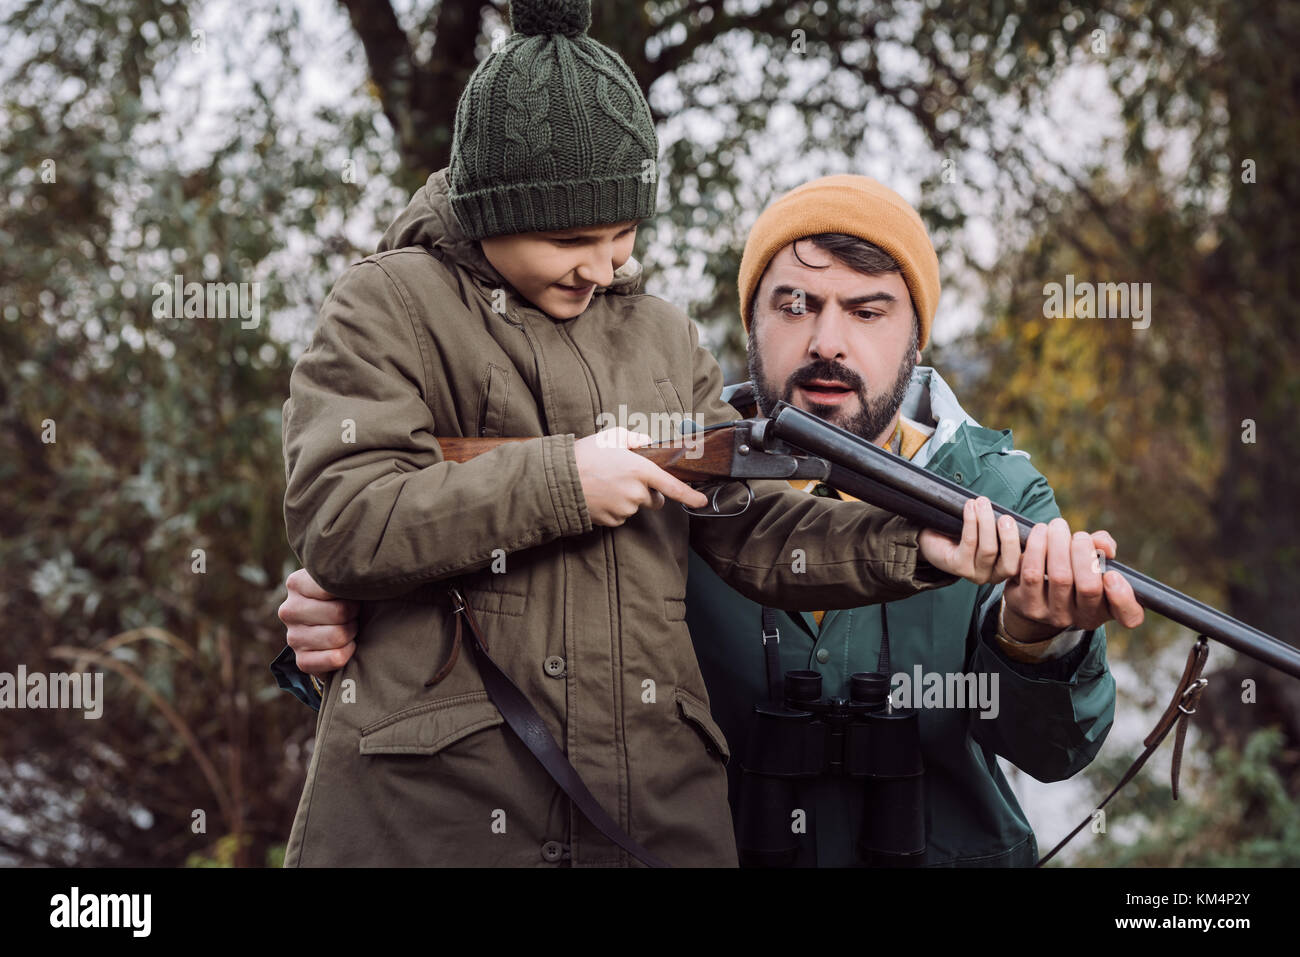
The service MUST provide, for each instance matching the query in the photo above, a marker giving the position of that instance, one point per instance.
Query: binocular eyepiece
(873, 748)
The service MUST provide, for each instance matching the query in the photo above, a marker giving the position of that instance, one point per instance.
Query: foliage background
(1037, 139)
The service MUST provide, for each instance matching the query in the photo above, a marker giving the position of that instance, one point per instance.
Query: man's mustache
(826, 372)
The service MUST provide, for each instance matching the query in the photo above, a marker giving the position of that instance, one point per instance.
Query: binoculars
(874, 748)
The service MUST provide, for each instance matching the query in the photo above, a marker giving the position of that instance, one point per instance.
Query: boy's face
(832, 341)
(558, 271)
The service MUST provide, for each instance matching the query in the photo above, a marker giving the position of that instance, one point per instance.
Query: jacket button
(823, 655)
(552, 851)
(957, 478)
(554, 666)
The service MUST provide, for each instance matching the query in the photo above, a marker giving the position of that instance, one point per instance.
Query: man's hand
(988, 553)
(1060, 585)
(321, 628)
(618, 483)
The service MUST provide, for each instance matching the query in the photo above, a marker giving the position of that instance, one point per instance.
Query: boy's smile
(558, 271)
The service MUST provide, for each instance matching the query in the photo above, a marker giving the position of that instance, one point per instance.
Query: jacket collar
(931, 403)
(429, 221)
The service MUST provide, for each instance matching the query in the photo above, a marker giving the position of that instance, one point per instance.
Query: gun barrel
(887, 481)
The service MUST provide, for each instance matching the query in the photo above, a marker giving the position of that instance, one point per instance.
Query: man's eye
(794, 309)
(868, 314)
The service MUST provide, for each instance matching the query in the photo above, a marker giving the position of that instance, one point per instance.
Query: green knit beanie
(552, 131)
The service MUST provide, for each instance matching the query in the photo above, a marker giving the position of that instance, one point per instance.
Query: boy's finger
(620, 438)
(674, 488)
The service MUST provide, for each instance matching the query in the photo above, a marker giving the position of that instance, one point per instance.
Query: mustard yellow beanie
(856, 206)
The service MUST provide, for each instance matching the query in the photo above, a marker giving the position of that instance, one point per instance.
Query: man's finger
(1102, 539)
(986, 554)
(320, 637)
(1033, 566)
(1123, 603)
(1060, 578)
(301, 610)
(970, 534)
(1008, 549)
(1089, 594)
(302, 583)
(323, 662)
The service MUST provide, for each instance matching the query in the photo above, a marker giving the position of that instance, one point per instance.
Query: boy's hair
(551, 131)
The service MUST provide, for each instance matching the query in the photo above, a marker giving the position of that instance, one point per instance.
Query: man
(838, 289)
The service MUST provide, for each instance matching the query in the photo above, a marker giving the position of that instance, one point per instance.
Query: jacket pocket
(675, 609)
(668, 394)
(696, 713)
(492, 401)
(430, 727)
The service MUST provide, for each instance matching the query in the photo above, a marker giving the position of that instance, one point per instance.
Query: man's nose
(829, 334)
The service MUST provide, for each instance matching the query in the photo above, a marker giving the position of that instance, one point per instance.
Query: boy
(502, 303)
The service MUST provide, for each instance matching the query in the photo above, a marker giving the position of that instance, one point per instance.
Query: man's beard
(874, 414)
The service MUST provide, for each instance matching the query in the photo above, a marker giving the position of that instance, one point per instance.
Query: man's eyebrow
(870, 297)
(780, 291)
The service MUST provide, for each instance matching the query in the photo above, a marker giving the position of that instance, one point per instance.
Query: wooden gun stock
(705, 457)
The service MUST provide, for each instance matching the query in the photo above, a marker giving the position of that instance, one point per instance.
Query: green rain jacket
(1051, 718)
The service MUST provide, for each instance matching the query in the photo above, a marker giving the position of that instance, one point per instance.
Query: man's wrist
(1048, 648)
(1023, 630)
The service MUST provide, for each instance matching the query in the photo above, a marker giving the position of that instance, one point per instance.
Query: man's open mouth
(576, 290)
(826, 390)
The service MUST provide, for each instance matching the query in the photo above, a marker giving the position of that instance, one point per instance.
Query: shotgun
(792, 443)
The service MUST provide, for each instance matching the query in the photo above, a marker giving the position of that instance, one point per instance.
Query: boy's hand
(618, 483)
(321, 628)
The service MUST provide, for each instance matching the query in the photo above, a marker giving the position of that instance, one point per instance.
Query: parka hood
(428, 221)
